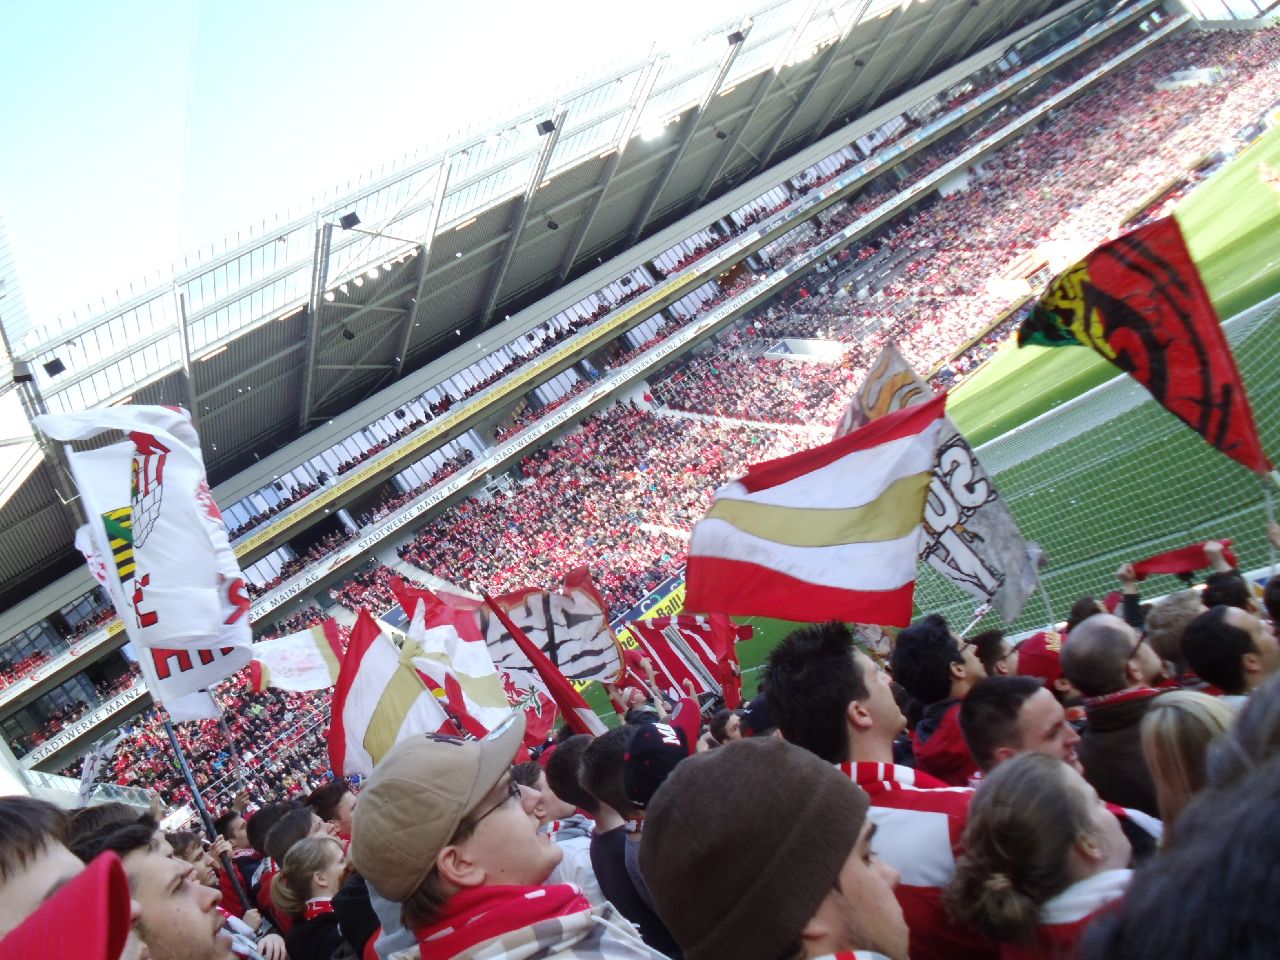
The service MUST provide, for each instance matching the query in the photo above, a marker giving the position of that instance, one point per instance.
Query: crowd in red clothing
(547, 336)
(934, 299)
(13, 672)
(599, 498)
(1121, 142)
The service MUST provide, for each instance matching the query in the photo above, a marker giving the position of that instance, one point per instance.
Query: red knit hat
(1038, 656)
(88, 919)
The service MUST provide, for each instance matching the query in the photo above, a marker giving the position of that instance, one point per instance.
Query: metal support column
(424, 261)
(863, 69)
(522, 216)
(737, 40)
(763, 88)
(780, 133)
(611, 167)
(315, 300)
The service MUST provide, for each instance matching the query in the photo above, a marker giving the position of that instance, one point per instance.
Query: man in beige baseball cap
(442, 829)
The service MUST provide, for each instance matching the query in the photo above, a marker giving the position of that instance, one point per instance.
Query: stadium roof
(493, 221)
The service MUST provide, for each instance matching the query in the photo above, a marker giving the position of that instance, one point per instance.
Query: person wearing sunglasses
(444, 829)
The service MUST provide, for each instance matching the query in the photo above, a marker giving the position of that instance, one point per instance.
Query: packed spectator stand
(935, 300)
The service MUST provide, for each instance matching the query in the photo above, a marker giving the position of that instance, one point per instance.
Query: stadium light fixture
(347, 334)
(349, 221)
(328, 295)
(546, 127)
(655, 132)
(552, 225)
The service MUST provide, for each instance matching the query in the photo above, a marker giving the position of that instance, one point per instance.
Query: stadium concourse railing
(666, 292)
(333, 566)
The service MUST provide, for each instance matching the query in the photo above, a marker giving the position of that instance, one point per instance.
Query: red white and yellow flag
(828, 533)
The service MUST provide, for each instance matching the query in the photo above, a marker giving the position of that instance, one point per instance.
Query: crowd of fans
(13, 671)
(546, 337)
(597, 498)
(932, 278)
(1079, 796)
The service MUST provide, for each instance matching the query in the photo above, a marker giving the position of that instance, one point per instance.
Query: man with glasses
(938, 670)
(1115, 669)
(443, 829)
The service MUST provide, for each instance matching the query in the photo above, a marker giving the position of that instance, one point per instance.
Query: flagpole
(210, 829)
(242, 776)
(978, 614)
(1271, 519)
(1048, 602)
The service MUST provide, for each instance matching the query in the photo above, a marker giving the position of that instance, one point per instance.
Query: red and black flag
(1139, 301)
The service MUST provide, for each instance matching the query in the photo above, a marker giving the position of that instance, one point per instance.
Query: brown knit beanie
(741, 845)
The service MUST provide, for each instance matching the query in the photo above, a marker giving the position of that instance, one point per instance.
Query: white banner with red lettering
(156, 541)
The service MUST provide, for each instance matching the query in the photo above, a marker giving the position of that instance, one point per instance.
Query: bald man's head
(1103, 655)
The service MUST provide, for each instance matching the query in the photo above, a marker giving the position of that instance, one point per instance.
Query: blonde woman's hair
(1023, 822)
(1177, 730)
(291, 888)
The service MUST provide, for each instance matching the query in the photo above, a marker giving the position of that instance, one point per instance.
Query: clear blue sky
(138, 130)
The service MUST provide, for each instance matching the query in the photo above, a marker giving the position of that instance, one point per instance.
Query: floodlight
(349, 221)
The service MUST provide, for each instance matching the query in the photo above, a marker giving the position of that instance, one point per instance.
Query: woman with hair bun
(1043, 857)
(304, 889)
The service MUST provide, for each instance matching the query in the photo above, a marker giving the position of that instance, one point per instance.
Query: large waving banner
(971, 537)
(830, 533)
(570, 627)
(1140, 302)
(156, 542)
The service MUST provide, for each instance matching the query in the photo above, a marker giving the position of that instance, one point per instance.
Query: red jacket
(941, 752)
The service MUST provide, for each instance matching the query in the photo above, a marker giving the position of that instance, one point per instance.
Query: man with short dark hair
(564, 769)
(726, 725)
(831, 699)
(180, 919)
(34, 859)
(334, 803)
(1005, 716)
(997, 656)
(779, 866)
(1231, 649)
(938, 670)
(444, 829)
(1115, 669)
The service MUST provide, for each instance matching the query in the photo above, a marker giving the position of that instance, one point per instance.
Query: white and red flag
(576, 711)
(457, 670)
(378, 701)
(156, 542)
(462, 613)
(307, 660)
(693, 648)
(828, 533)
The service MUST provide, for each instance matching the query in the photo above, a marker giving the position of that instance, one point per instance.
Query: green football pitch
(1139, 483)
